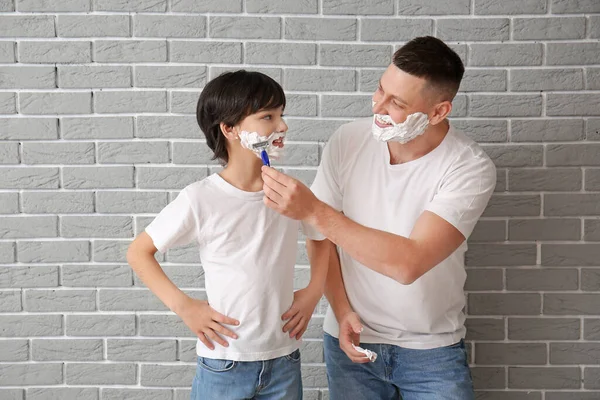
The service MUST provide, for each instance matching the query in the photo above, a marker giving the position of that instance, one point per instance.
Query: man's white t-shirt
(454, 181)
(248, 253)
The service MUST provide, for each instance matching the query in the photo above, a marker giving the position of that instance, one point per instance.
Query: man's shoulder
(466, 151)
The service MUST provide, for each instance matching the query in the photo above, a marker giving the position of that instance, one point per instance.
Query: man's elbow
(406, 274)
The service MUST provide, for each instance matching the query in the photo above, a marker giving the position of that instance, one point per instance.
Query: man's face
(399, 94)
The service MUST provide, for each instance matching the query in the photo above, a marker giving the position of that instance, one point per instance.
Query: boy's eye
(267, 117)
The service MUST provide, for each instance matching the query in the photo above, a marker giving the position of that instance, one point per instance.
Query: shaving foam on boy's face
(248, 139)
(385, 129)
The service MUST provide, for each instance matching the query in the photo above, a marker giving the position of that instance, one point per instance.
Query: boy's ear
(228, 131)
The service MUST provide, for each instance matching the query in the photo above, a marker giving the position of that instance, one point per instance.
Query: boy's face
(265, 122)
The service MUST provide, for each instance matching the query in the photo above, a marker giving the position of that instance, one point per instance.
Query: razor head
(260, 145)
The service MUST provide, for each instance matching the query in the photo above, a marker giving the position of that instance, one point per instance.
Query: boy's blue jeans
(399, 373)
(276, 379)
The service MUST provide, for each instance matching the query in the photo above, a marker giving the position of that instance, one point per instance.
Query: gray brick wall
(97, 134)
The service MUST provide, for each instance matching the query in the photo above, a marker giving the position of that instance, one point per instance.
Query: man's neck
(420, 146)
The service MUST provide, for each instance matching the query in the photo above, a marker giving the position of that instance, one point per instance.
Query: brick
(170, 76)
(141, 349)
(45, 6)
(39, 300)
(130, 5)
(515, 155)
(110, 251)
(7, 5)
(122, 51)
(504, 303)
(29, 178)
(574, 7)
(590, 280)
(593, 78)
(187, 350)
(571, 304)
(579, 104)
(14, 350)
(9, 153)
(27, 26)
(340, 29)
(130, 101)
(511, 7)
(100, 325)
(169, 26)
(192, 153)
(505, 54)
(62, 393)
(564, 255)
(544, 378)
(311, 129)
(9, 203)
(300, 155)
(487, 29)
(591, 228)
(483, 280)
(67, 349)
(7, 52)
(572, 53)
(47, 202)
(163, 325)
(542, 279)
(594, 27)
(510, 353)
(31, 374)
(543, 328)
(544, 229)
(279, 53)
(67, 153)
(28, 129)
(547, 179)
(591, 378)
(137, 394)
(24, 325)
(97, 128)
(346, 106)
(555, 28)
(10, 301)
(572, 154)
(314, 376)
(7, 253)
(8, 103)
(591, 328)
(133, 152)
(96, 226)
(320, 80)
(369, 79)
(485, 328)
(446, 7)
(167, 375)
(55, 52)
(274, 73)
(169, 178)
(488, 377)
(546, 130)
(17, 227)
(459, 106)
(206, 52)
(104, 177)
(184, 276)
(488, 231)
(96, 275)
(53, 251)
(100, 374)
(547, 79)
(130, 201)
(513, 206)
(506, 105)
(85, 26)
(245, 27)
(394, 30)
(562, 395)
(94, 76)
(214, 6)
(488, 80)
(483, 130)
(355, 55)
(592, 128)
(483, 255)
(282, 6)
(27, 77)
(55, 103)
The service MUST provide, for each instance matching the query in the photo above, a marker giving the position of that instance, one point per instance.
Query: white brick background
(97, 134)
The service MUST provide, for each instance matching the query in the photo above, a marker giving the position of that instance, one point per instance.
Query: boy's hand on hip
(350, 328)
(287, 195)
(207, 323)
(299, 314)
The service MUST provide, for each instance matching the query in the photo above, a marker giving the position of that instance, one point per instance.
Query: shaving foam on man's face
(275, 142)
(385, 129)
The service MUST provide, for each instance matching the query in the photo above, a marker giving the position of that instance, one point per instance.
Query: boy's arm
(197, 315)
(318, 255)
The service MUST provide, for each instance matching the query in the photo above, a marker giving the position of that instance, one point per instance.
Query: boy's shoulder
(200, 189)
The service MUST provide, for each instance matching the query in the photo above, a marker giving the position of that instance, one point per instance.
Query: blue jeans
(276, 379)
(399, 373)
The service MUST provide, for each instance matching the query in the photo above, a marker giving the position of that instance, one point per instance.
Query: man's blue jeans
(277, 379)
(399, 373)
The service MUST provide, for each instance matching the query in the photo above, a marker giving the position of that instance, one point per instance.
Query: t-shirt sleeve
(465, 192)
(176, 225)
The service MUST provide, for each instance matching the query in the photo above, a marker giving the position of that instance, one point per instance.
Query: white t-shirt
(454, 181)
(248, 253)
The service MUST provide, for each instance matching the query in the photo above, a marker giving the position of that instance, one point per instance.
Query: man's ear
(228, 131)
(441, 111)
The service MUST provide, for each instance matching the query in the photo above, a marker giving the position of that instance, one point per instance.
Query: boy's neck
(244, 173)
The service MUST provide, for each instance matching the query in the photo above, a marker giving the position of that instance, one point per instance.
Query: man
(398, 194)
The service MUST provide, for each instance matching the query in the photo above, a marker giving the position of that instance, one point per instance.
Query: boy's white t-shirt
(248, 253)
(454, 181)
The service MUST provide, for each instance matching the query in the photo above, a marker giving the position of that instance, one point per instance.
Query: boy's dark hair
(231, 97)
(429, 58)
